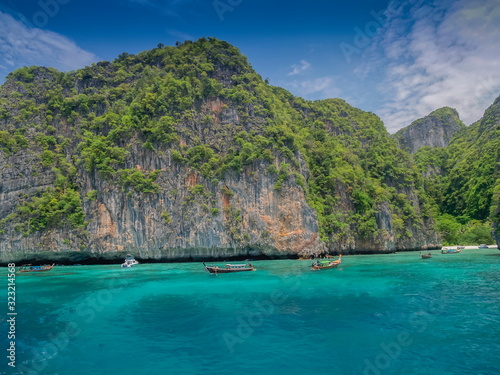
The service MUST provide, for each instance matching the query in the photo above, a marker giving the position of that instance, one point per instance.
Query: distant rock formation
(434, 130)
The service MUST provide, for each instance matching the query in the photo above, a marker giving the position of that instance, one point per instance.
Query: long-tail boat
(230, 268)
(30, 268)
(426, 255)
(326, 264)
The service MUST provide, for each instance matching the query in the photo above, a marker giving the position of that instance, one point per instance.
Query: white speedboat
(129, 261)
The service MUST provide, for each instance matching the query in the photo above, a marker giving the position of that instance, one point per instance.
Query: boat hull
(318, 265)
(226, 270)
(34, 269)
(229, 268)
(129, 265)
(317, 268)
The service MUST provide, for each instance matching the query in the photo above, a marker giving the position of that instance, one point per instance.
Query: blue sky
(398, 59)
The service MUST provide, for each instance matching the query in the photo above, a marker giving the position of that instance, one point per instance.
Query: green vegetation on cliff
(200, 105)
(462, 180)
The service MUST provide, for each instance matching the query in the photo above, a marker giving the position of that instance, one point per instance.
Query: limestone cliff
(434, 130)
(185, 153)
(463, 178)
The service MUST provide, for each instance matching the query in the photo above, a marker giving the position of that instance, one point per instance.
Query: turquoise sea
(375, 314)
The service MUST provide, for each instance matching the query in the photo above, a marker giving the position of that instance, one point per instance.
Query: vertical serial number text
(11, 314)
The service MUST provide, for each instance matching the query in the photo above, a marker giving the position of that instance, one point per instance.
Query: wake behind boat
(326, 264)
(230, 268)
(451, 251)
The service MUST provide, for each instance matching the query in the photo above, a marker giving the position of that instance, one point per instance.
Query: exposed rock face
(190, 218)
(90, 171)
(251, 218)
(240, 217)
(422, 236)
(435, 130)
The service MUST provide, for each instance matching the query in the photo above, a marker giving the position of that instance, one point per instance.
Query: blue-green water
(379, 314)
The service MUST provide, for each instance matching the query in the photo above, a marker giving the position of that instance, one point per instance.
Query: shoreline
(114, 258)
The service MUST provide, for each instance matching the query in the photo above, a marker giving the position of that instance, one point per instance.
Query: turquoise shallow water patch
(378, 314)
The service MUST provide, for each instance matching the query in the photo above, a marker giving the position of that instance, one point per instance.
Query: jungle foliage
(201, 105)
(462, 180)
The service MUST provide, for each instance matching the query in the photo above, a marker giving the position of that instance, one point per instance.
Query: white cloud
(445, 53)
(299, 68)
(24, 46)
(181, 35)
(323, 87)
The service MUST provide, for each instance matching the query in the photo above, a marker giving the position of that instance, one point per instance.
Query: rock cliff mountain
(434, 130)
(463, 178)
(185, 153)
